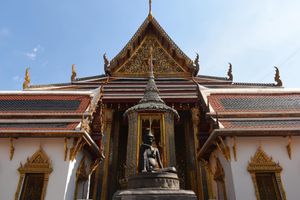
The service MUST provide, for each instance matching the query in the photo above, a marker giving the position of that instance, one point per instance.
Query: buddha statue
(149, 157)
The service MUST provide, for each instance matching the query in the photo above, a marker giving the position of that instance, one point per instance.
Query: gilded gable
(138, 65)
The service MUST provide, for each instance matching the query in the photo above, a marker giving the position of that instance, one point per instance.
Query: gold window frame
(37, 163)
(262, 163)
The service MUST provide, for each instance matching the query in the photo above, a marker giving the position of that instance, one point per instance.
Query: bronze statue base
(154, 185)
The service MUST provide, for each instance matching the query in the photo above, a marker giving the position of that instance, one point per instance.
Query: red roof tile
(255, 102)
(20, 103)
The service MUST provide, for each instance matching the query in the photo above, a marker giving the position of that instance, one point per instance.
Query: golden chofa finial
(74, 74)
(26, 82)
(229, 73)
(277, 77)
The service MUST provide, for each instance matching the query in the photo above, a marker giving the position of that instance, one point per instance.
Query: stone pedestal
(158, 186)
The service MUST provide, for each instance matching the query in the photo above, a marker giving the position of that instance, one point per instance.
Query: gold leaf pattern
(138, 63)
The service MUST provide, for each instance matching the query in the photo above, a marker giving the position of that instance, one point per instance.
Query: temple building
(79, 140)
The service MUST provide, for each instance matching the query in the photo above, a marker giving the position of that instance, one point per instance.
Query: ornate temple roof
(132, 60)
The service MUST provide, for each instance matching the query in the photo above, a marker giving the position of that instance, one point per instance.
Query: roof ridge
(214, 77)
(254, 84)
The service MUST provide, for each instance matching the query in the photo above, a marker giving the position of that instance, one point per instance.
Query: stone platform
(154, 186)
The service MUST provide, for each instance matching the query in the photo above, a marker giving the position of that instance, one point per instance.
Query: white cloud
(34, 52)
(17, 78)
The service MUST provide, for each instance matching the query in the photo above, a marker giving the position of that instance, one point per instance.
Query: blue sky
(49, 36)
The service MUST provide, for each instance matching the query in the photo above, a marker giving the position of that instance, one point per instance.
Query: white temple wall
(274, 147)
(228, 174)
(61, 182)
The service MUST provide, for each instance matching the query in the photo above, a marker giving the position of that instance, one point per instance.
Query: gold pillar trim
(219, 175)
(11, 148)
(209, 176)
(85, 124)
(225, 150)
(65, 149)
(289, 147)
(196, 121)
(234, 149)
(39, 162)
(76, 148)
(139, 140)
(262, 163)
(164, 141)
(81, 174)
(219, 171)
(108, 118)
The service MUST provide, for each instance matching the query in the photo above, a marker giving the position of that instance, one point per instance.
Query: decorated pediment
(262, 162)
(168, 59)
(138, 64)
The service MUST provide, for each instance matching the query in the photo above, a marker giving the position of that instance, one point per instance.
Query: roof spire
(150, 7)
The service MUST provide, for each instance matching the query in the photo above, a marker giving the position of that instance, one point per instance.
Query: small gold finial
(277, 77)
(74, 74)
(26, 82)
(150, 7)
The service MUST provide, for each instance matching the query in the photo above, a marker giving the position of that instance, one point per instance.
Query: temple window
(32, 186)
(34, 175)
(266, 178)
(81, 188)
(219, 177)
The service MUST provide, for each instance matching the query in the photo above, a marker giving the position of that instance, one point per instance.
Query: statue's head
(148, 138)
